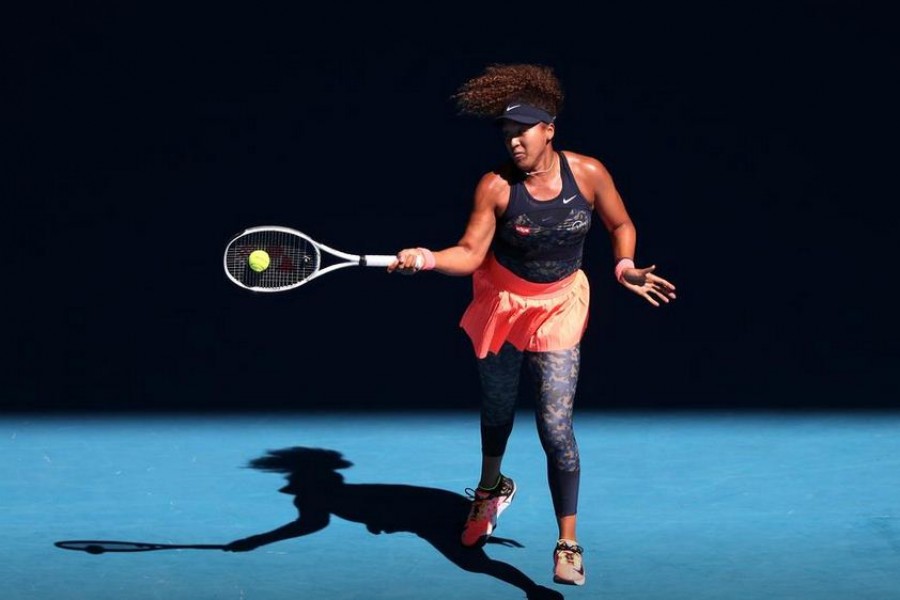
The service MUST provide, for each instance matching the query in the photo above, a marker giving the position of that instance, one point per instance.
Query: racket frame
(349, 259)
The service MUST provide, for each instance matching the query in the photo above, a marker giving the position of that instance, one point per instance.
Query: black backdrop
(754, 147)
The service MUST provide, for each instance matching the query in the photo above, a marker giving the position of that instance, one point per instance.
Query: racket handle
(377, 260)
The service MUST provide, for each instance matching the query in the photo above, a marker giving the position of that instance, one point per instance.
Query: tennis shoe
(568, 566)
(484, 511)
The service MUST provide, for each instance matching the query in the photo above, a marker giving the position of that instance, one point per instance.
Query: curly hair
(487, 94)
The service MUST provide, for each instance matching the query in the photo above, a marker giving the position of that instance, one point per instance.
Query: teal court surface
(348, 505)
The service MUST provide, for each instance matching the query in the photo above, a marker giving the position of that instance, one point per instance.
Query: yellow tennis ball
(258, 260)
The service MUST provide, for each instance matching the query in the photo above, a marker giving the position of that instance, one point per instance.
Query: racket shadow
(433, 514)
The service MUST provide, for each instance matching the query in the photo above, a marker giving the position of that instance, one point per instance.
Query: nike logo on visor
(512, 106)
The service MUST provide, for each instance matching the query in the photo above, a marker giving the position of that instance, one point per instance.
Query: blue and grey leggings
(555, 376)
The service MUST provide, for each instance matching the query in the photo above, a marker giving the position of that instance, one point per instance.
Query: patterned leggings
(555, 376)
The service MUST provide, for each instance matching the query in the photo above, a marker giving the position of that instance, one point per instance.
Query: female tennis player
(523, 247)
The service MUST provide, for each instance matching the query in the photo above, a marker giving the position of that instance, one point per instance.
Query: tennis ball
(258, 260)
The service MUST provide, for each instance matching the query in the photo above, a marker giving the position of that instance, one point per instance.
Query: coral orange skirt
(536, 317)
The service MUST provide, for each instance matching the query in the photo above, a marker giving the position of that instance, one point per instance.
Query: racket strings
(292, 259)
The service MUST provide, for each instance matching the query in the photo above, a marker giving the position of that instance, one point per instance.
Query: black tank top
(543, 240)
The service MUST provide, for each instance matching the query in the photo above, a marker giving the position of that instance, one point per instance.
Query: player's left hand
(644, 283)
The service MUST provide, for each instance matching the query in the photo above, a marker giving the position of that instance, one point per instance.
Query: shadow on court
(319, 491)
(433, 514)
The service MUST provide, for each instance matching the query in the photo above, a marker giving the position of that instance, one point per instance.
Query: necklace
(552, 164)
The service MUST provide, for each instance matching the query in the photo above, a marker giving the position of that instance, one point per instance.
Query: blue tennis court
(673, 506)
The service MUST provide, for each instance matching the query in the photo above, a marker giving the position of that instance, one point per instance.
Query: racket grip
(377, 260)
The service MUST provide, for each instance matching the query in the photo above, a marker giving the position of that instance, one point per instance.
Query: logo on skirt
(523, 230)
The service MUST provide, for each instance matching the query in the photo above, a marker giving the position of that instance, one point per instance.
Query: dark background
(755, 149)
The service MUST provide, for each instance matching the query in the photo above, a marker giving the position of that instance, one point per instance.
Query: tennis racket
(101, 546)
(289, 259)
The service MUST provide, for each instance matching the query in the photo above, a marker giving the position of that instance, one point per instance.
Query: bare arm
(608, 204)
(469, 252)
